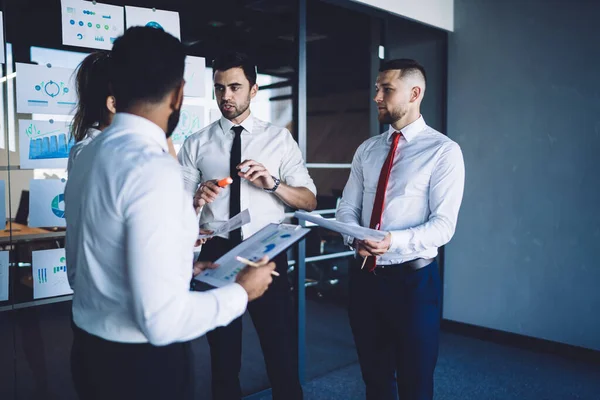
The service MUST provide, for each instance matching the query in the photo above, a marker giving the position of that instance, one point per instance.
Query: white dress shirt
(205, 156)
(423, 195)
(90, 134)
(130, 235)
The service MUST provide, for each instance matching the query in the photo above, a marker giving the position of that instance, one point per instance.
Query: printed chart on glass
(2, 203)
(4, 275)
(2, 60)
(49, 274)
(190, 121)
(44, 144)
(165, 20)
(47, 203)
(45, 90)
(194, 77)
(86, 24)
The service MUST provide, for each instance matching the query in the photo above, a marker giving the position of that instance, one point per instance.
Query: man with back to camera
(130, 236)
(409, 183)
(268, 172)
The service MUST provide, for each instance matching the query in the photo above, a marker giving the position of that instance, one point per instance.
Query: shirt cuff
(400, 241)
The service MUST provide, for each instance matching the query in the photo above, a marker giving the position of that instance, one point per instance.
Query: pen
(253, 264)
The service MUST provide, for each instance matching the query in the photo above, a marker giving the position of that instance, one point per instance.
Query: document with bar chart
(45, 90)
(49, 274)
(44, 144)
(270, 241)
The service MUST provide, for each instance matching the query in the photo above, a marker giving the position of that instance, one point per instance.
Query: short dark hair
(93, 84)
(148, 64)
(236, 60)
(406, 65)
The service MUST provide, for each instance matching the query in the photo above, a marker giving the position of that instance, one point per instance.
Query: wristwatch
(274, 188)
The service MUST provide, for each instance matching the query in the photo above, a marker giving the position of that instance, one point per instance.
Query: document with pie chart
(165, 20)
(45, 90)
(49, 273)
(270, 241)
(191, 121)
(47, 203)
(85, 24)
(44, 144)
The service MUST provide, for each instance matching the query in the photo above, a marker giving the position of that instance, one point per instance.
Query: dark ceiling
(338, 38)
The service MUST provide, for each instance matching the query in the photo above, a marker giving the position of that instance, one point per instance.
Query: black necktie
(234, 189)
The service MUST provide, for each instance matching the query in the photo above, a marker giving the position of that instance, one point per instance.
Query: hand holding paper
(236, 222)
(354, 231)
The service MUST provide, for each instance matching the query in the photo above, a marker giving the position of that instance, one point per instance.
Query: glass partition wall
(317, 61)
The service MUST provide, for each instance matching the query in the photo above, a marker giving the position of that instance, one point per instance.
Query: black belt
(408, 265)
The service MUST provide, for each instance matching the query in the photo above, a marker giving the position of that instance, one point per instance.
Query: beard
(173, 121)
(235, 111)
(389, 117)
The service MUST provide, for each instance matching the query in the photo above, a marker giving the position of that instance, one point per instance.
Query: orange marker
(225, 182)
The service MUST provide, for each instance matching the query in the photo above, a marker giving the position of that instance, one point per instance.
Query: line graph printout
(269, 241)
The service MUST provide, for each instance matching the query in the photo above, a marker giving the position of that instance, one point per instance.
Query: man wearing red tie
(409, 183)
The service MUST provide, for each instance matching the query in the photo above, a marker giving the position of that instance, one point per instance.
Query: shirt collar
(410, 131)
(141, 126)
(247, 124)
(92, 133)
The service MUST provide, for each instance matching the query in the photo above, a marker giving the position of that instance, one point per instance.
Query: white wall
(438, 13)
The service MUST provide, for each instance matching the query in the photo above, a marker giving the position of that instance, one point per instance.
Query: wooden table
(23, 233)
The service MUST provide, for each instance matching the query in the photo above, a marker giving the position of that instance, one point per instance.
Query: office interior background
(514, 82)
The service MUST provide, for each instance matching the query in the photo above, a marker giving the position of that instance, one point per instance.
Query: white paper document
(44, 144)
(2, 204)
(165, 20)
(91, 24)
(269, 241)
(354, 231)
(2, 60)
(45, 90)
(191, 120)
(47, 203)
(4, 275)
(236, 222)
(49, 273)
(194, 77)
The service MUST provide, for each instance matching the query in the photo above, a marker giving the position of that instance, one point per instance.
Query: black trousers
(273, 318)
(395, 320)
(103, 370)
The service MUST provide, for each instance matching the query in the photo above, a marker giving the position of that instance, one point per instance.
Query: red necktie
(379, 203)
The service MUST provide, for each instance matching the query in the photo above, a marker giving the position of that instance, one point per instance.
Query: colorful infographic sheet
(47, 203)
(44, 144)
(166, 20)
(86, 24)
(49, 274)
(45, 90)
(190, 121)
(269, 241)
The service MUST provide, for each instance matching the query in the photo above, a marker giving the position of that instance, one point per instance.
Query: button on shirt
(205, 156)
(76, 149)
(423, 195)
(129, 246)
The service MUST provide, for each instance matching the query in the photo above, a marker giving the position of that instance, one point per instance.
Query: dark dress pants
(395, 319)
